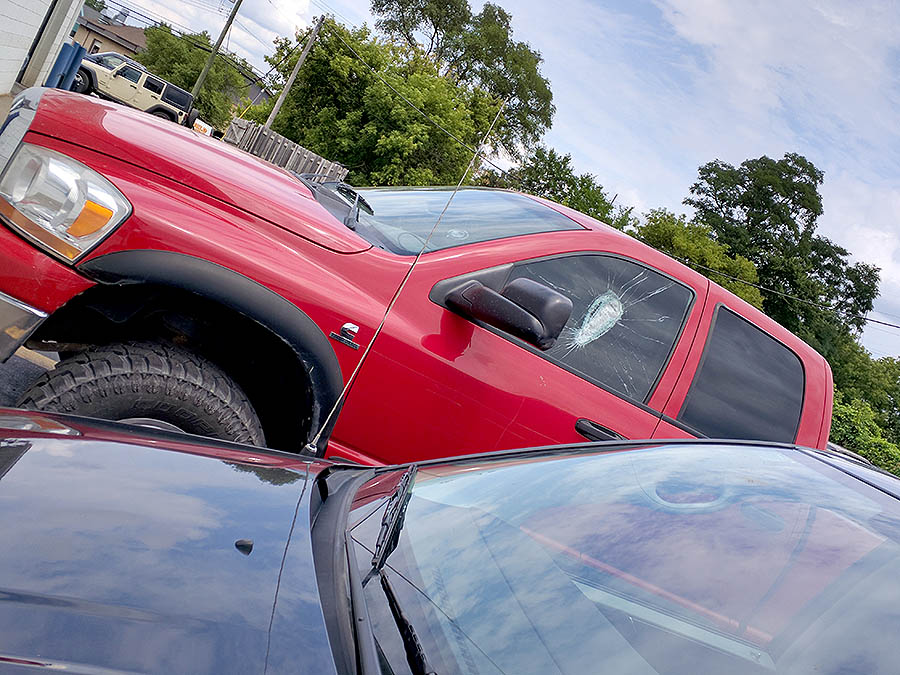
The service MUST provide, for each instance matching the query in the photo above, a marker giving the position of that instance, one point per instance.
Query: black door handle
(596, 432)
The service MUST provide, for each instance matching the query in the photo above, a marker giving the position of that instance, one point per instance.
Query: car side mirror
(526, 309)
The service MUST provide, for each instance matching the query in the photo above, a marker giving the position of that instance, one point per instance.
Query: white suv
(120, 79)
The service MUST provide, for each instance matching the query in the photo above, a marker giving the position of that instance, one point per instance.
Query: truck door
(440, 384)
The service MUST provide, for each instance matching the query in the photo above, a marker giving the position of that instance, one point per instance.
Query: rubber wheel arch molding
(150, 380)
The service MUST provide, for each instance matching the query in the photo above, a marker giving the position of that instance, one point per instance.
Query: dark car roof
(123, 557)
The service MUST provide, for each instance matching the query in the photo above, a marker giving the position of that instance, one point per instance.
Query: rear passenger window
(625, 319)
(153, 85)
(177, 97)
(748, 385)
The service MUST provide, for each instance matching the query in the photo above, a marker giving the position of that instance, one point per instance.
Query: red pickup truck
(187, 284)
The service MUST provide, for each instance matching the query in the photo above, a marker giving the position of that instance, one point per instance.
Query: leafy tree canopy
(179, 60)
(549, 174)
(477, 50)
(341, 110)
(767, 211)
(692, 244)
(99, 5)
(854, 425)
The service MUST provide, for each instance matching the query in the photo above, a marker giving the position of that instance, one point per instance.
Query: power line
(185, 34)
(463, 144)
(251, 34)
(882, 330)
(324, 7)
(691, 263)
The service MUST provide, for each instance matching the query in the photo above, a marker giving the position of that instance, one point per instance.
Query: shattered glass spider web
(625, 318)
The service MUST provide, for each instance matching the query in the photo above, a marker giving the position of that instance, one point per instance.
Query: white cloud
(648, 91)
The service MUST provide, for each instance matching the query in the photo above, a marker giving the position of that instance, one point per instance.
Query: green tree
(767, 211)
(693, 244)
(478, 50)
(429, 23)
(99, 5)
(549, 174)
(180, 58)
(876, 381)
(854, 425)
(339, 109)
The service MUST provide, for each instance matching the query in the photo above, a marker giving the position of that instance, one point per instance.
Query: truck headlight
(58, 202)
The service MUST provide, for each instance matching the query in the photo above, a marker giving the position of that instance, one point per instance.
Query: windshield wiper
(392, 522)
(353, 214)
(388, 537)
(415, 655)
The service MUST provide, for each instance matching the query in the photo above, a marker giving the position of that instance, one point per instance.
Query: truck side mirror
(526, 309)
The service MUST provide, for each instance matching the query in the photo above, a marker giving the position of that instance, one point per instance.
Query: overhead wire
(691, 263)
(505, 172)
(185, 34)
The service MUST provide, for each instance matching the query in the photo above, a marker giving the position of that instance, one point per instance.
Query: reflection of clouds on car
(708, 556)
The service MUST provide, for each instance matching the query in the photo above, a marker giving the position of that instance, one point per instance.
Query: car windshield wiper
(388, 537)
(415, 655)
(392, 522)
(353, 214)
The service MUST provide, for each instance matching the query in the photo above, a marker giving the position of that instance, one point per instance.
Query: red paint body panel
(331, 288)
(32, 276)
(435, 384)
(218, 170)
(827, 406)
(481, 391)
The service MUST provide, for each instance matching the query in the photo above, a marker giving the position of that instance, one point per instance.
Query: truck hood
(194, 160)
(122, 557)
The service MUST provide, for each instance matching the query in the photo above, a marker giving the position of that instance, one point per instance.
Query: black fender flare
(157, 108)
(91, 75)
(242, 294)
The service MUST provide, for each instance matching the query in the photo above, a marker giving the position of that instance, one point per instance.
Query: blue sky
(648, 91)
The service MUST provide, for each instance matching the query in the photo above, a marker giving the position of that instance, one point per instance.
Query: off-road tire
(85, 87)
(150, 380)
(162, 115)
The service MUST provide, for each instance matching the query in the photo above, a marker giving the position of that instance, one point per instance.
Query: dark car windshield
(676, 560)
(400, 220)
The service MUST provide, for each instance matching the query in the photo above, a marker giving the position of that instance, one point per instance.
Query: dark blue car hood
(123, 557)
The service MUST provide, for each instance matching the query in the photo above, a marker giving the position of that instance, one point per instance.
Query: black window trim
(437, 296)
(156, 81)
(712, 326)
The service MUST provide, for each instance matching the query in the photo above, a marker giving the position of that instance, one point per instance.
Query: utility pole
(215, 50)
(290, 82)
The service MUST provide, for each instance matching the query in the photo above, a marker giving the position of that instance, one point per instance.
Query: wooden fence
(275, 148)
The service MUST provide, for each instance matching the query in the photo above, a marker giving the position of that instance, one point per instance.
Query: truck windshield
(400, 219)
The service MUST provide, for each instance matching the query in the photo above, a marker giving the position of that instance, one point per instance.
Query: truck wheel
(82, 82)
(159, 384)
(163, 115)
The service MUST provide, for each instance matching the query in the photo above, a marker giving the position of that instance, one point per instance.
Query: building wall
(20, 21)
(85, 37)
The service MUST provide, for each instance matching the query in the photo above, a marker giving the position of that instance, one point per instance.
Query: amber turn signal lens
(92, 217)
(29, 227)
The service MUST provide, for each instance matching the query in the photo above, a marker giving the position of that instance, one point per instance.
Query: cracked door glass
(625, 319)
